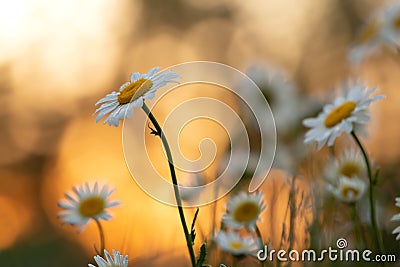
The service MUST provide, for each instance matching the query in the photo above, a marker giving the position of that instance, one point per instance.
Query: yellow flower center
(349, 169)
(246, 212)
(348, 192)
(134, 90)
(91, 206)
(340, 113)
(236, 245)
(368, 32)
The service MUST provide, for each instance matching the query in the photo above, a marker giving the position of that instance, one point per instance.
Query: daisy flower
(132, 94)
(342, 116)
(348, 190)
(89, 203)
(350, 164)
(397, 218)
(244, 210)
(367, 41)
(233, 243)
(118, 261)
(391, 24)
(279, 92)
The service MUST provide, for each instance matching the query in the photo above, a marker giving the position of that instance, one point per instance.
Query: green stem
(189, 242)
(374, 223)
(102, 242)
(258, 232)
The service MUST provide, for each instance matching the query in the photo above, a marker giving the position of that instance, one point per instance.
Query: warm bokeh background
(57, 58)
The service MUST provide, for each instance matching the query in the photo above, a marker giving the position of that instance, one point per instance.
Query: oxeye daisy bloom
(367, 41)
(350, 164)
(132, 94)
(342, 116)
(348, 190)
(391, 24)
(89, 203)
(233, 243)
(244, 210)
(397, 218)
(118, 261)
(279, 92)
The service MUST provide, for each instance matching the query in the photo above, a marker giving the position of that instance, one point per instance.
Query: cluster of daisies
(349, 176)
(346, 177)
(382, 29)
(243, 211)
(87, 204)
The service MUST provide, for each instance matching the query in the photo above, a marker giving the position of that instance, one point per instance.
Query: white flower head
(397, 218)
(348, 190)
(89, 203)
(279, 92)
(118, 261)
(235, 244)
(368, 40)
(391, 24)
(244, 210)
(350, 164)
(132, 94)
(342, 116)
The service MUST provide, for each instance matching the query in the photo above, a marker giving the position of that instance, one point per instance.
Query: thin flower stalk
(158, 128)
(372, 183)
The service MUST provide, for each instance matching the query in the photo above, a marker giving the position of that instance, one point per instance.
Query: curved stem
(189, 241)
(374, 223)
(258, 232)
(102, 242)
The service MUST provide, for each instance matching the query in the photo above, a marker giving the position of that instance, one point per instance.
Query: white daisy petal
(91, 203)
(396, 217)
(233, 243)
(117, 261)
(349, 164)
(244, 210)
(348, 190)
(344, 115)
(390, 27)
(119, 105)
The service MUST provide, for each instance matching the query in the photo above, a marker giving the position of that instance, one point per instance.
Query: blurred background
(57, 58)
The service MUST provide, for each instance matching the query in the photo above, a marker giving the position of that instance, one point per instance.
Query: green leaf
(192, 230)
(376, 176)
(153, 131)
(202, 257)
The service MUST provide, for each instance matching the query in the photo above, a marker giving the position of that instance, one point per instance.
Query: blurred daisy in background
(367, 41)
(118, 261)
(132, 94)
(235, 244)
(348, 190)
(89, 203)
(382, 28)
(391, 25)
(288, 108)
(280, 93)
(341, 116)
(243, 210)
(350, 164)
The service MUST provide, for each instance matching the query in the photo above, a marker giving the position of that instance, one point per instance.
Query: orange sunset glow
(58, 58)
